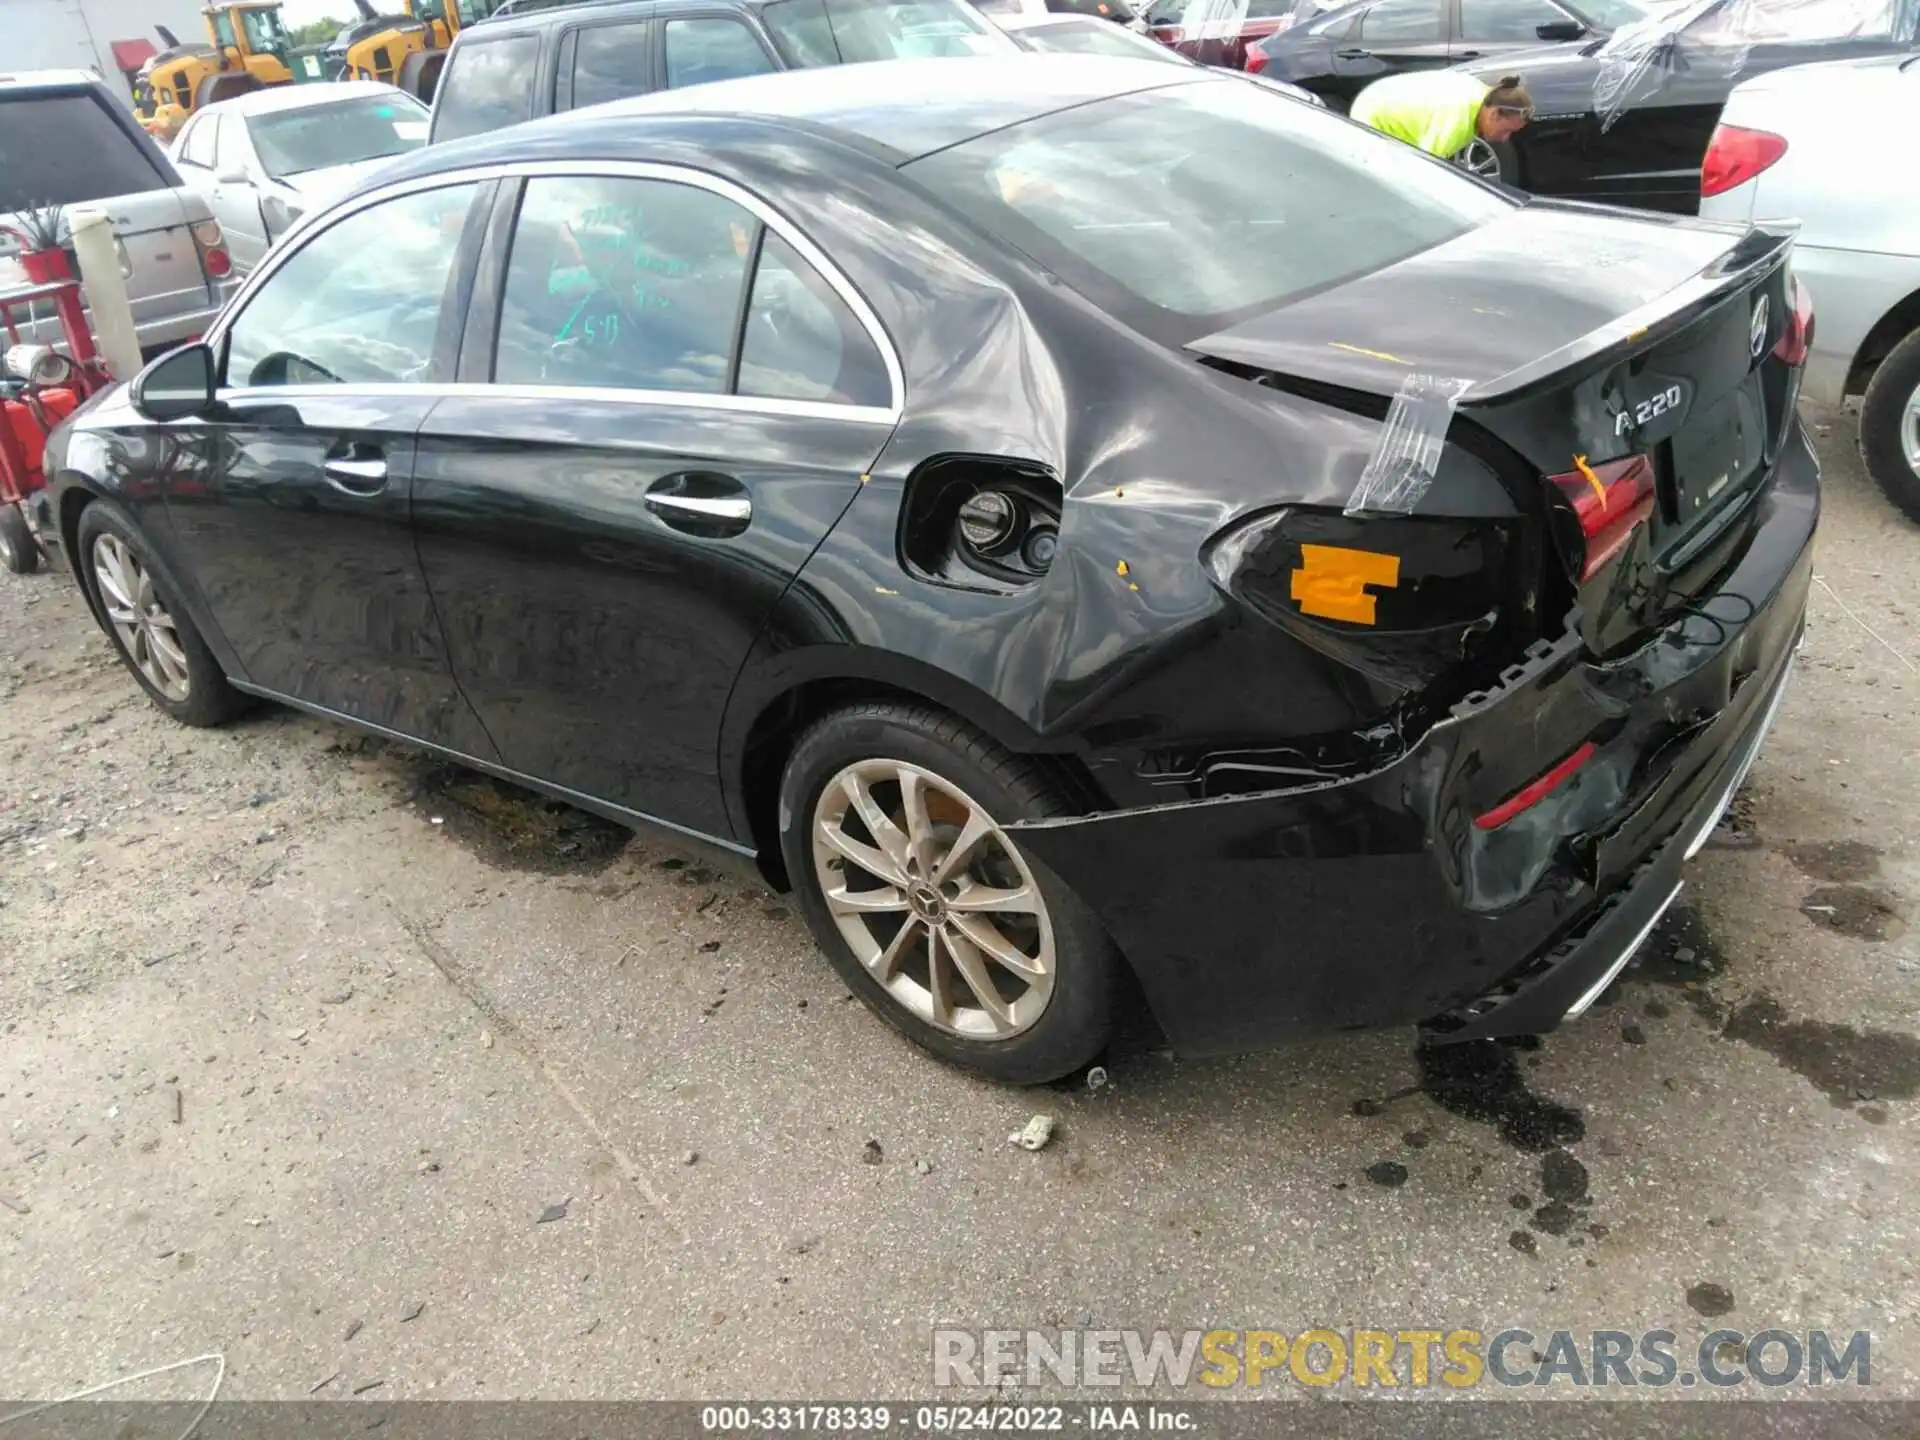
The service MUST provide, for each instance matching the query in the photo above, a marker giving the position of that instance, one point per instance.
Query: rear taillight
(211, 242)
(1797, 338)
(1735, 155)
(1256, 59)
(1610, 500)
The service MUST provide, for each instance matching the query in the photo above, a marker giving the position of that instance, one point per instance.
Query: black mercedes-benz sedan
(1341, 600)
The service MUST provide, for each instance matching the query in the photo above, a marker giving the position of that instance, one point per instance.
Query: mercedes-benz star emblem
(1757, 332)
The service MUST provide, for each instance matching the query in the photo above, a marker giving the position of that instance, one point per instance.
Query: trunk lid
(1575, 336)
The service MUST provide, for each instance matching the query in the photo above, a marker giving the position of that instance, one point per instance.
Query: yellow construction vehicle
(406, 51)
(246, 49)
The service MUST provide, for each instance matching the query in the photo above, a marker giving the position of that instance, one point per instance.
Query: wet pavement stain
(1481, 1080)
(1390, 1174)
(1841, 861)
(1848, 1065)
(1682, 953)
(1710, 1299)
(1563, 1180)
(1856, 911)
(515, 829)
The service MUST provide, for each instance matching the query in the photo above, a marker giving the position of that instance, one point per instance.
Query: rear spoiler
(1759, 252)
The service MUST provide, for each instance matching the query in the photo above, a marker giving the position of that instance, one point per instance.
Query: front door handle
(357, 475)
(1353, 54)
(701, 502)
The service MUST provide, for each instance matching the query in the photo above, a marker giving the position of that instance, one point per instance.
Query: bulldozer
(246, 49)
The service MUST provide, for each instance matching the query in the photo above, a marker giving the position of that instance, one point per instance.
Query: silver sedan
(263, 159)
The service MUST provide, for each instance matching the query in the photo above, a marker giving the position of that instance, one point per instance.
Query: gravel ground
(361, 1071)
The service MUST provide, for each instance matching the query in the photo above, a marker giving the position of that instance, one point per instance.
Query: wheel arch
(1888, 331)
(762, 727)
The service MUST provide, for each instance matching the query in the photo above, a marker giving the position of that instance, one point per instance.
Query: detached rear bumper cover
(1376, 901)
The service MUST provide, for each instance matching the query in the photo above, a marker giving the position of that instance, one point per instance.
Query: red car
(1217, 32)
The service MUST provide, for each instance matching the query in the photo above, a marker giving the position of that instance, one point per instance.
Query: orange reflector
(1529, 796)
(1332, 581)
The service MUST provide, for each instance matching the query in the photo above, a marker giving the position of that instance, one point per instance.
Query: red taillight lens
(1256, 59)
(1610, 500)
(1797, 338)
(1736, 155)
(1529, 796)
(212, 244)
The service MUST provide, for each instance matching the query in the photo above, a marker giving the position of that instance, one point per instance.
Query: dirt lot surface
(363, 1071)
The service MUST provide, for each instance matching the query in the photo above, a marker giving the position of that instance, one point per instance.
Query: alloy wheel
(933, 899)
(148, 632)
(1479, 158)
(1910, 431)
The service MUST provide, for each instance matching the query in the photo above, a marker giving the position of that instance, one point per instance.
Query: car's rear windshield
(373, 127)
(1188, 208)
(64, 148)
(846, 32)
(1081, 36)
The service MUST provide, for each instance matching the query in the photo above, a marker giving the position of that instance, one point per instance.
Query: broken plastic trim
(1407, 455)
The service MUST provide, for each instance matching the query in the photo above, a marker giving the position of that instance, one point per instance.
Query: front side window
(223, 27)
(710, 48)
(629, 284)
(609, 63)
(372, 127)
(1507, 20)
(1401, 22)
(487, 86)
(360, 303)
(1187, 246)
(832, 32)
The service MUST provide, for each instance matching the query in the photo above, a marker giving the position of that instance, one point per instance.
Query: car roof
(48, 79)
(906, 107)
(276, 98)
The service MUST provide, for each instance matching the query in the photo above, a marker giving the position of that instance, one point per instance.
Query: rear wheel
(19, 552)
(1890, 426)
(148, 626)
(893, 832)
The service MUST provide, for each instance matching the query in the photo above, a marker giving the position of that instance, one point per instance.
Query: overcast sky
(303, 12)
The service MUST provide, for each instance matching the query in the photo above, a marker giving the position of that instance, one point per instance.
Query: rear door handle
(359, 475)
(701, 502)
(1353, 54)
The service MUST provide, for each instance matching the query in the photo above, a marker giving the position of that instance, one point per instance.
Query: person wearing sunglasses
(1443, 111)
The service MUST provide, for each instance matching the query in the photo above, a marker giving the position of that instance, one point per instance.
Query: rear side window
(709, 48)
(629, 284)
(801, 341)
(1401, 22)
(1187, 246)
(1516, 20)
(609, 63)
(65, 149)
(487, 86)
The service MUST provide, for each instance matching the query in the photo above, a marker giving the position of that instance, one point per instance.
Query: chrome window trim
(692, 399)
(608, 169)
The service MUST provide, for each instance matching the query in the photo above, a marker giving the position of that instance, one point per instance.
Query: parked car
(1218, 32)
(65, 139)
(1785, 152)
(962, 496)
(265, 159)
(1116, 10)
(1340, 53)
(1082, 35)
(550, 60)
(1627, 121)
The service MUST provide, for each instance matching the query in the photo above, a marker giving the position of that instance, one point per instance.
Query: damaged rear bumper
(1252, 919)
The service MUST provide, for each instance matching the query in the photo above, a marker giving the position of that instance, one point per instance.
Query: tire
(1038, 1026)
(159, 645)
(1890, 426)
(19, 551)
(420, 74)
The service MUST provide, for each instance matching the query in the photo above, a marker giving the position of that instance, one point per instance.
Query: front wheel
(893, 831)
(1890, 426)
(156, 639)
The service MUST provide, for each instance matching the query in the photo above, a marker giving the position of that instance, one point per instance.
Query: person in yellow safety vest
(1442, 111)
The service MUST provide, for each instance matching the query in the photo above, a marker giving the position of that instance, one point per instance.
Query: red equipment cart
(39, 387)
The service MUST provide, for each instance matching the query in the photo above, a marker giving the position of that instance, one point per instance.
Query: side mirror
(234, 175)
(177, 386)
(1560, 30)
